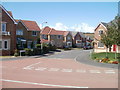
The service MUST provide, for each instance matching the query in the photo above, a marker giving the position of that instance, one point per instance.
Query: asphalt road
(82, 56)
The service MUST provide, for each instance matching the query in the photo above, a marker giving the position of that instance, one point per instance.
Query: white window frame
(99, 31)
(98, 45)
(68, 38)
(34, 33)
(77, 41)
(4, 45)
(19, 32)
(2, 26)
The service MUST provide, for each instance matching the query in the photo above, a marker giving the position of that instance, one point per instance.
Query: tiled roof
(56, 32)
(30, 25)
(44, 41)
(46, 30)
(105, 24)
(73, 33)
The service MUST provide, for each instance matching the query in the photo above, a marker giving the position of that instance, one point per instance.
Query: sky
(69, 16)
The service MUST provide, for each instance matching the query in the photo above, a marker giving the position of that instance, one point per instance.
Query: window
(59, 36)
(100, 32)
(5, 44)
(100, 45)
(44, 37)
(19, 32)
(34, 33)
(68, 37)
(3, 27)
(0, 44)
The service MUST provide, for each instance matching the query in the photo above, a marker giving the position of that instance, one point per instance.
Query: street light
(41, 37)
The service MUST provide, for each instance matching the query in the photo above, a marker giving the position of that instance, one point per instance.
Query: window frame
(18, 32)
(5, 26)
(98, 45)
(33, 33)
(4, 45)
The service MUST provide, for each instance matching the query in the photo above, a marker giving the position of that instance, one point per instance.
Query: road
(61, 70)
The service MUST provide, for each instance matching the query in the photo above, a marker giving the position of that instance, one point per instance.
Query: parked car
(87, 47)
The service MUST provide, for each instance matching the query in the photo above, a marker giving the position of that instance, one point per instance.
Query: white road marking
(28, 68)
(94, 71)
(40, 68)
(33, 64)
(66, 70)
(109, 71)
(52, 85)
(81, 71)
(53, 69)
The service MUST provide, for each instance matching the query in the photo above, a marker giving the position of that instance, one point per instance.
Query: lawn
(101, 57)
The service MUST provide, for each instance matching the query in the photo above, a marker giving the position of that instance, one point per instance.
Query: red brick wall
(10, 27)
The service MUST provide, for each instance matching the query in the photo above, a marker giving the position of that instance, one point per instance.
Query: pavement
(59, 70)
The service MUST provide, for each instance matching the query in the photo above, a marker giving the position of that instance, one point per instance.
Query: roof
(56, 32)
(44, 41)
(105, 24)
(30, 25)
(46, 30)
(82, 35)
(73, 33)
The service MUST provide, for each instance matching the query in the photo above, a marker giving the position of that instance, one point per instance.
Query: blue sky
(77, 16)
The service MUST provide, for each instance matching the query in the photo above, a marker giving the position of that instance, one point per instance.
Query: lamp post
(41, 37)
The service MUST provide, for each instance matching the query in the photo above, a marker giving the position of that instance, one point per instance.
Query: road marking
(52, 85)
(66, 70)
(28, 68)
(81, 71)
(40, 68)
(109, 71)
(53, 69)
(33, 64)
(94, 71)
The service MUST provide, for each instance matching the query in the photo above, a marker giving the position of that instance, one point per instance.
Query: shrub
(28, 52)
(16, 53)
(38, 45)
(36, 51)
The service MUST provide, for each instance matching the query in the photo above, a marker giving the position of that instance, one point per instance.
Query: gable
(6, 12)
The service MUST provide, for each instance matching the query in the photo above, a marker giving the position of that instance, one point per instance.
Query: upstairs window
(34, 33)
(59, 36)
(100, 32)
(3, 27)
(19, 32)
(44, 37)
(68, 38)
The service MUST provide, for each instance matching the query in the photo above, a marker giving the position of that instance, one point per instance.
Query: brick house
(27, 33)
(8, 32)
(67, 39)
(98, 46)
(50, 35)
(78, 39)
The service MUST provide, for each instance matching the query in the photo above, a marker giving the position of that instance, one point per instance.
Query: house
(78, 39)
(50, 35)
(8, 32)
(98, 46)
(27, 33)
(67, 39)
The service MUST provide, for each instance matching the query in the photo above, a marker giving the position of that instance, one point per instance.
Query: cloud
(61, 26)
(82, 27)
